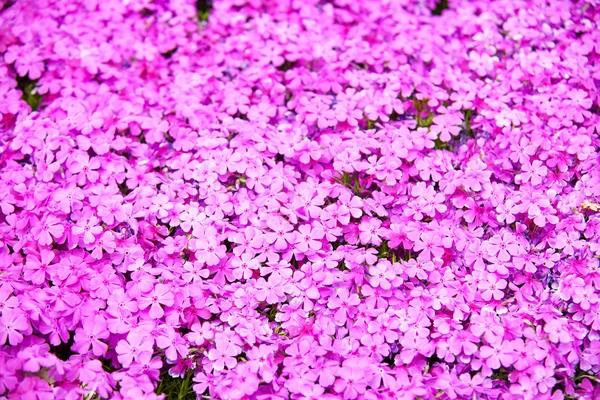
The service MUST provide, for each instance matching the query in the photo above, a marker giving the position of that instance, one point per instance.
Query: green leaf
(203, 9)
(440, 6)
(176, 388)
(29, 90)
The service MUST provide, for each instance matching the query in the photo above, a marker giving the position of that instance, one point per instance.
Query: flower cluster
(300, 199)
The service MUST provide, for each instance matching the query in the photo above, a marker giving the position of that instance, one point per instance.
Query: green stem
(590, 377)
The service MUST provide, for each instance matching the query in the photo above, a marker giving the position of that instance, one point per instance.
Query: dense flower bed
(272, 199)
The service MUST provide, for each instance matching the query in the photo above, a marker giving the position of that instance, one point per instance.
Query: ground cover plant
(303, 199)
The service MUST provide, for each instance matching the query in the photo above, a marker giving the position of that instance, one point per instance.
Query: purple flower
(343, 304)
(369, 231)
(48, 229)
(129, 350)
(223, 355)
(302, 200)
(497, 354)
(351, 382)
(160, 295)
(12, 325)
(90, 335)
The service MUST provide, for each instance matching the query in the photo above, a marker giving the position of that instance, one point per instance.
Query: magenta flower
(281, 234)
(503, 246)
(130, 350)
(192, 219)
(568, 242)
(429, 243)
(446, 126)
(463, 342)
(13, 323)
(160, 294)
(317, 111)
(261, 361)
(533, 173)
(492, 287)
(69, 198)
(209, 251)
(36, 357)
(27, 62)
(309, 200)
(351, 382)
(381, 275)
(244, 266)
(270, 291)
(527, 354)
(497, 354)
(343, 304)
(90, 336)
(486, 324)
(48, 229)
(369, 231)
(309, 239)
(109, 213)
(375, 346)
(173, 344)
(88, 228)
(84, 168)
(147, 364)
(36, 269)
(223, 355)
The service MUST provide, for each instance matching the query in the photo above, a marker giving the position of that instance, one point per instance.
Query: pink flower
(281, 234)
(381, 275)
(351, 382)
(492, 287)
(130, 350)
(315, 110)
(89, 336)
(244, 266)
(106, 242)
(486, 324)
(200, 333)
(47, 229)
(36, 269)
(173, 344)
(503, 246)
(343, 303)
(271, 291)
(463, 341)
(12, 325)
(446, 125)
(335, 214)
(309, 239)
(192, 219)
(387, 325)
(28, 61)
(109, 213)
(84, 168)
(209, 250)
(481, 63)
(533, 173)
(161, 204)
(69, 198)
(88, 227)
(369, 231)
(223, 355)
(160, 294)
(527, 354)
(568, 242)
(497, 354)
(375, 346)
(429, 243)
(585, 297)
